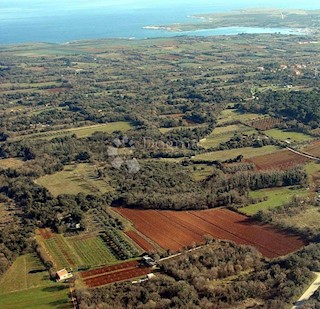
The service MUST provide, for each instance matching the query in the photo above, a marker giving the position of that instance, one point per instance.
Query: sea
(60, 21)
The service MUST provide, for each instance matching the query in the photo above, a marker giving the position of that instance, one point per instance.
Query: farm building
(63, 274)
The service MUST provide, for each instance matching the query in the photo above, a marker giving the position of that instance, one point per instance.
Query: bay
(62, 21)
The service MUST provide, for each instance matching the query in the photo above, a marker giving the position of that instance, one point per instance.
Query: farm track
(304, 154)
(188, 227)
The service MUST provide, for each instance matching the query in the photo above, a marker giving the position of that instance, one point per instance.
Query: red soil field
(174, 230)
(279, 160)
(108, 269)
(115, 273)
(144, 244)
(127, 274)
(45, 233)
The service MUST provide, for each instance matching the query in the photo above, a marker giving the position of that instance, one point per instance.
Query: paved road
(308, 293)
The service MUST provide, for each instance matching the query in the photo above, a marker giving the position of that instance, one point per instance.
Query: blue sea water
(59, 21)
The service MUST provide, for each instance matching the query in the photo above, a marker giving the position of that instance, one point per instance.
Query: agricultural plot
(10, 163)
(62, 253)
(175, 230)
(75, 179)
(292, 137)
(86, 250)
(231, 115)
(140, 241)
(223, 134)
(92, 250)
(265, 123)
(272, 198)
(247, 152)
(284, 159)
(26, 285)
(313, 149)
(116, 273)
(82, 131)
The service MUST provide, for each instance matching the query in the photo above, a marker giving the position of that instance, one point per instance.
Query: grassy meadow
(10, 163)
(275, 197)
(81, 131)
(26, 285)
(223, 134)
(247, 152)
(230, 115)
(288, 135)
(75, 179)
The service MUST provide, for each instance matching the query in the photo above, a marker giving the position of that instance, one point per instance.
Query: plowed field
(279, 160)
(115, 273)
(175, 230)
(144, 244)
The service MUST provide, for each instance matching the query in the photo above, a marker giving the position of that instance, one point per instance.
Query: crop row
(118, 245)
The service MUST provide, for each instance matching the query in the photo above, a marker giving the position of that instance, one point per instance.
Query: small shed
(62, 275)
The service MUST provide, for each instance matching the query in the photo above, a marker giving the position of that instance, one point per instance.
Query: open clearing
(175, 230)
(26, 285)
(10, 163)
(82, 131)
(275, 197)
(232, 115)
(247, 152)
(288, 135)
(283, 159)
(223, 134)
(75, 179)
(306, 218)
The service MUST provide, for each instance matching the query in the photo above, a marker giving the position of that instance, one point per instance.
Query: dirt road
(308, 293)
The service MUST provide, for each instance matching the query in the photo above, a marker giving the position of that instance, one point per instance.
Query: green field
(49, 297)
(77, 251)
(10, 163)
(92, 250)
(82, 131)
(165, 130)
(74, 179)
(275, 197)
(26, 285)
(200, 171)
(288, 135)
(229, 115)
(223, 134)
(247, 152)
